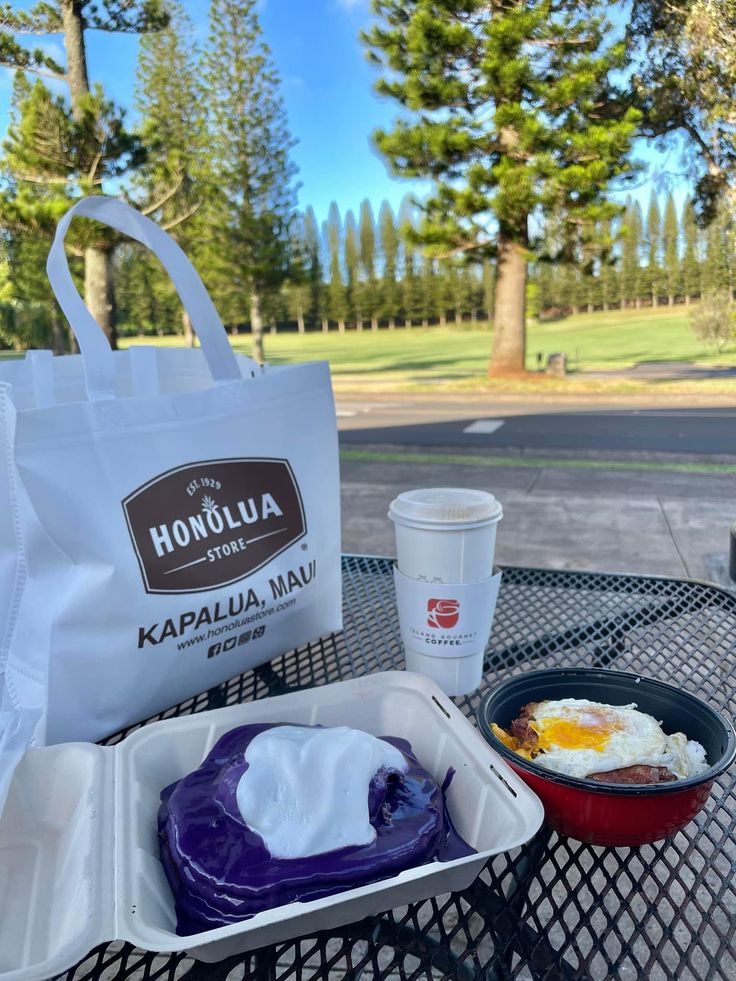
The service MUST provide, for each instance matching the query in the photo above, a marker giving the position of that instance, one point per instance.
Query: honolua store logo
(209, 524)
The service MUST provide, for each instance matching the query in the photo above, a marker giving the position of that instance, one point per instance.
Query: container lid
(445, 507)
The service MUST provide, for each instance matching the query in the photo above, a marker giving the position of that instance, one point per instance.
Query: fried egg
(577, 737)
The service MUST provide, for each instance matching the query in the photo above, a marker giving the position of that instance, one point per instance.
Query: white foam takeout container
(79, 858)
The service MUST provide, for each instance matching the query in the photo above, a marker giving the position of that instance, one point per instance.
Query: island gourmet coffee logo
(443, 613)
(209, 524)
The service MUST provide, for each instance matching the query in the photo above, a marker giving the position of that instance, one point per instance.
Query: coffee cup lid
(445, 507)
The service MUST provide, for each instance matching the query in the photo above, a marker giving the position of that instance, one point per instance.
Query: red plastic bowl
(613, 814)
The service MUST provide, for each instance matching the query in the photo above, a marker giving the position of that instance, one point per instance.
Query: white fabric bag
(168, 518)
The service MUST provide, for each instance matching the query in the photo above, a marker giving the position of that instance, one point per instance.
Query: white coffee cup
(445, 536)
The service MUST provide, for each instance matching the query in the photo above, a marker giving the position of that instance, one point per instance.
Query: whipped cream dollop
(305, 791)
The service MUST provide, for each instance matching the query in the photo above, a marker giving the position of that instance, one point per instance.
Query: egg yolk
(555, 732)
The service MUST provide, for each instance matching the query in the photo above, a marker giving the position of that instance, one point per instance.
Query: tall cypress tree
(717, 270)
(607, 271)
(714, 274)
(630, 255)
(170, 99)
(97, 148)
(690, 257)
(409, 265)
(367, 236)
(251, 175)
(390, 300)
(291, 304)
(315, 312)
(671, 250)
(336, 298)
(654, 233)
(351, 259)
(445, 289)
(510, 108)
(427, 288)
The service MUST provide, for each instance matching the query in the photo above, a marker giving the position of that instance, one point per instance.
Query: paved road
(531, 426)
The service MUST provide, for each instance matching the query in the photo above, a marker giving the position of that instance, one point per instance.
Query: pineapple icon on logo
(209, 504)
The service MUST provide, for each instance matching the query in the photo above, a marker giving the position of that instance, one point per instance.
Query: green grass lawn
(457, 358)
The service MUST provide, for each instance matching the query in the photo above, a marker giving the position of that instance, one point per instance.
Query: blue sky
(327, 87)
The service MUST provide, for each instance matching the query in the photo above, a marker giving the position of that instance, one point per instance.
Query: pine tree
(427, 288)
(630, 267)
(390, 300)
(510, 110)
(95, 149)
(367, 237)
(452, 291)
(351, 260)
(170, 100)
(685, 83)
(579, 287)
(690, 258)
(607, 270)
(712, 275)
(654, 232)
(544, 275)
(409, 266)
(29, 316)
(295, 288)
(671, 250)
(336, 297)
(250, 174)
(313, 266)
(445, 289)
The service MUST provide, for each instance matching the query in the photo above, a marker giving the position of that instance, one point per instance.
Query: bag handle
(99, 364)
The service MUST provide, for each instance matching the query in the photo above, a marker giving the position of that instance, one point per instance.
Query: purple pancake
(220, 871)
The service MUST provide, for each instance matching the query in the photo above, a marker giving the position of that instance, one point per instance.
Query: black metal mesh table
(555, 908)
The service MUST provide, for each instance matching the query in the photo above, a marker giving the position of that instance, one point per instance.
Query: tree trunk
(71, 340)
(98, 292)
(605, 306)
(374, 322)
(425, 322)
(58, 340)
(76, 58)
(443, 319)
(655, 300)
(687, 299)
(299, 315)
(508, 353)
(256, 326)
(456, 317)
(474, 316)
(341, 326)
(670, 300)
(590, 308)
(325, 326)
(637, 304)
(98, 285)
(392, 323)
(188, 329)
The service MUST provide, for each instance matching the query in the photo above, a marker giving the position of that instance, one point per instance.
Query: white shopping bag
(168, 518)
